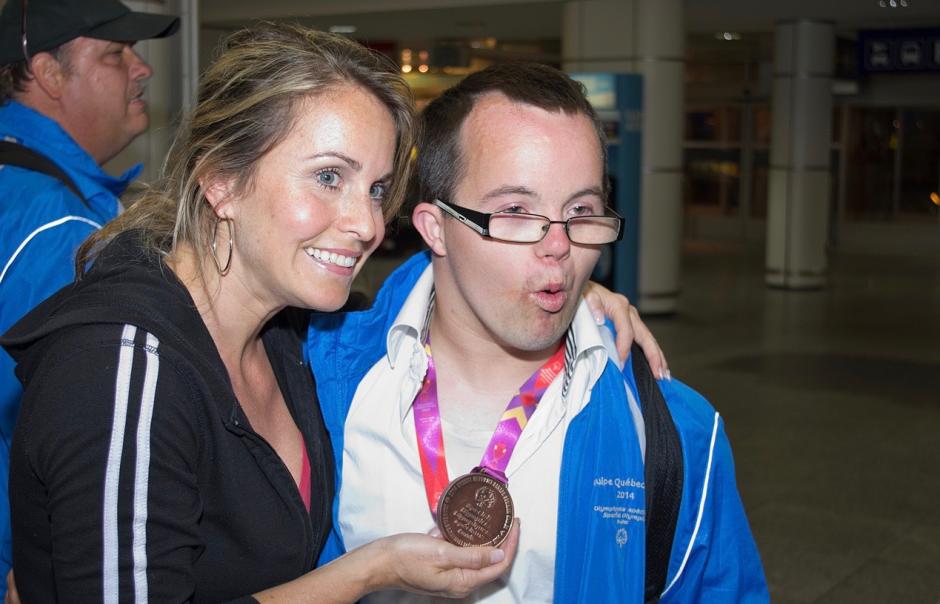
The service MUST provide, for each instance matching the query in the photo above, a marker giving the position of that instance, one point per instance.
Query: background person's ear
(48, 73)
(428, 219)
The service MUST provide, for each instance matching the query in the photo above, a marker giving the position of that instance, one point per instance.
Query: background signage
(899, 50)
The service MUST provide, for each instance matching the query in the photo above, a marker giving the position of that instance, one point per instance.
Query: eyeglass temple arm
(481, 230)
(23, 40)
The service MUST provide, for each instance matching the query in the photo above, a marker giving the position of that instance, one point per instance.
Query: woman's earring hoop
(223, 270)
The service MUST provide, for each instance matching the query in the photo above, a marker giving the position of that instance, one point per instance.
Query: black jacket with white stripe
(135, 475)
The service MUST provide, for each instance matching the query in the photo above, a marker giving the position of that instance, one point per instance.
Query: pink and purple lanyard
(427, 416)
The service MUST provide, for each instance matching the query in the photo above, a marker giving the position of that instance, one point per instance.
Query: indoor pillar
(798, 196)
(645, 37)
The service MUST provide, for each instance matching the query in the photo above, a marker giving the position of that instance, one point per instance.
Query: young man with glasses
(488, 329)
(71, 88)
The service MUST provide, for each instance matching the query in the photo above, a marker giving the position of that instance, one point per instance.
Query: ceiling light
(343, 29)
(727, 36)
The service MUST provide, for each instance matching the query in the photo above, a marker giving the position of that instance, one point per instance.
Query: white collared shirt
(382, 491)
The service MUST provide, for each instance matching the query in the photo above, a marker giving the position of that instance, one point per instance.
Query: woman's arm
(411, 562)
(104, 496)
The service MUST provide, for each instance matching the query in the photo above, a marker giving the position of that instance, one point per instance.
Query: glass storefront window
(893, 163)
(702, 125)
(712, 179)
(891, 160)
(732, 124)
(872, 140)
(712, 159)
(722, 124)
(762, 125)
(920, 162)
(836, 124)
(760, 175)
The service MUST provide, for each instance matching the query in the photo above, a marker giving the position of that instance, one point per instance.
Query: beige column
(645, 37)
(798, 196)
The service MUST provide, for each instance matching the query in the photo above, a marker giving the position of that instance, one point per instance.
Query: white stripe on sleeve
(44, 227)
(701, 507)
(110, 565)
(142, 471)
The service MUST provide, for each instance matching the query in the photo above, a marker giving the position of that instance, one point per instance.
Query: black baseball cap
(51, 23)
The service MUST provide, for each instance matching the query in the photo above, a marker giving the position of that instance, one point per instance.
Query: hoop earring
(223, 270)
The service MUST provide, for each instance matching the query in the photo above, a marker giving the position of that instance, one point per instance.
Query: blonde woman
(169, 447)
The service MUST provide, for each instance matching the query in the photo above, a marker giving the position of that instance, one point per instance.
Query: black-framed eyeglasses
(23, 41)
(517, 227)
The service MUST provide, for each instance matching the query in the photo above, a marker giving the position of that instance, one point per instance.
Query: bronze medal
(475, 509)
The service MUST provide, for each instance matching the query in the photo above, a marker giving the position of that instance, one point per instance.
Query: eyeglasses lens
(594, 230)
(521, 228)
(528, 228)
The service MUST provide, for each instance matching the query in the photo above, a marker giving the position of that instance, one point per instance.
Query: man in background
(71, 99)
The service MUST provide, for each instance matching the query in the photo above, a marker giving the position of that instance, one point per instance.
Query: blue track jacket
(714, 558)
(42, 223)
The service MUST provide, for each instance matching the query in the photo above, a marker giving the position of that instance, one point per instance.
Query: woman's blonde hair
(245, 108)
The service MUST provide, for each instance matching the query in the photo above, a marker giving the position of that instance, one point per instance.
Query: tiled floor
(832, 402)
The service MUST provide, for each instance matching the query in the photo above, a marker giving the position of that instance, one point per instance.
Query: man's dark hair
(13, 76)
(440, 161)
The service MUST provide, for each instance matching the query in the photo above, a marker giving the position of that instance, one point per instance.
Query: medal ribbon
(427, 415)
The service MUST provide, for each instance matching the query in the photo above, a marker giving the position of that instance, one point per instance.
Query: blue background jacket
(42, 223)
(714, 558)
